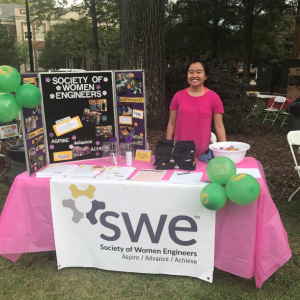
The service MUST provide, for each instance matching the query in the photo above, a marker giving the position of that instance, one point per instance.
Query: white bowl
(236, 156)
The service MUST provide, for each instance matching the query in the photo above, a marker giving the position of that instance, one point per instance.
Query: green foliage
(207, 27)
(216, 30)
(175, 80)
(51, 56)
(21, 2)
(21, 53)
(237, 105)
(107, 11)
(109, 40)
(47, 9)
(106, 31)
(274, 43)
(6, 47)
(73, 40)
(12, 52)
(70, 40)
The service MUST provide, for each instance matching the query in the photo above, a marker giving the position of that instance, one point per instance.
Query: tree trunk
(142, 43)
(95, 34)
(248, 46)
(216, 6)
(296, 41)
(215, 37)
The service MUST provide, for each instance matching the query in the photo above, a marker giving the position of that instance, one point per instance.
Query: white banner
(142, 227)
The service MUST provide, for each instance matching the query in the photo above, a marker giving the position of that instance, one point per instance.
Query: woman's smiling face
(196, 75)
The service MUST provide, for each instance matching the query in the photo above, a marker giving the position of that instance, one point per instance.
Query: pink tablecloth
(250, 240)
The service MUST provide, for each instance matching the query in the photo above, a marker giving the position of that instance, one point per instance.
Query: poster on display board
(131, 106)
(33, 131)
(79, 114)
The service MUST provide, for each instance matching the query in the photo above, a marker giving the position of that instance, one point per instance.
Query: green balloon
(242, 189)
(213, 196)
(9, 107)
(28, 95)
(220, 169)
(10, 79)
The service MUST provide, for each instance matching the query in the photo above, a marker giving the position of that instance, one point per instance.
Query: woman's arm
(219, 126)
(171, 124)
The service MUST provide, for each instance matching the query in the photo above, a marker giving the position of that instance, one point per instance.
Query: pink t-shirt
(194, 117)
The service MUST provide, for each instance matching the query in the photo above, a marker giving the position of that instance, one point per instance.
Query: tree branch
(87, 3)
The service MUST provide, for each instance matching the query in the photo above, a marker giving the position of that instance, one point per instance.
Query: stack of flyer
(56, 170)
(116, 173)
(86, 171)
(186, 177)
(149, 175)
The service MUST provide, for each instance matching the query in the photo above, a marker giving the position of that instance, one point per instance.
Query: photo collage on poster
(131, 107)
(34, 136)
(8, 131)
(32, 125)
(79, 114)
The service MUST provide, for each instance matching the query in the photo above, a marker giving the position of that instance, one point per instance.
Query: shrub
(237, 104)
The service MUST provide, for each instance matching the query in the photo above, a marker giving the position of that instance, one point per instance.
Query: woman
(128, 112)
(192, 111)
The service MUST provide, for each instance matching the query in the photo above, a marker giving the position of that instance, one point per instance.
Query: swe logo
(89, 194)
(179, 234)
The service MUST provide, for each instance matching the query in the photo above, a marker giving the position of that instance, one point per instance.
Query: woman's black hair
(202, 62)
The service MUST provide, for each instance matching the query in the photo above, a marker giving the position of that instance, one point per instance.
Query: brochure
(149, 175)
(186, 177)
(56, 170)
(87, 171)
(116, 173)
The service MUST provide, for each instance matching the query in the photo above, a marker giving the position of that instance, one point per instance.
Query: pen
(184, 173)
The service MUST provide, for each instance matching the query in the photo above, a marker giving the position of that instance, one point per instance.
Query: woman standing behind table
(192, 111)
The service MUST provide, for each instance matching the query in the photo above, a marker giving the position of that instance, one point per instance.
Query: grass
(34, 276)
(261, 104)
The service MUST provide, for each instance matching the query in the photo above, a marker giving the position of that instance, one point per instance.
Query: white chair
(213, 138)
(253, 108)
(293, 138)
(253, 112)
(279, 99)
(286, 115)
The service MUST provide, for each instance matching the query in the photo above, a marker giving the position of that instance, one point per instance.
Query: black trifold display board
(78, 113)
